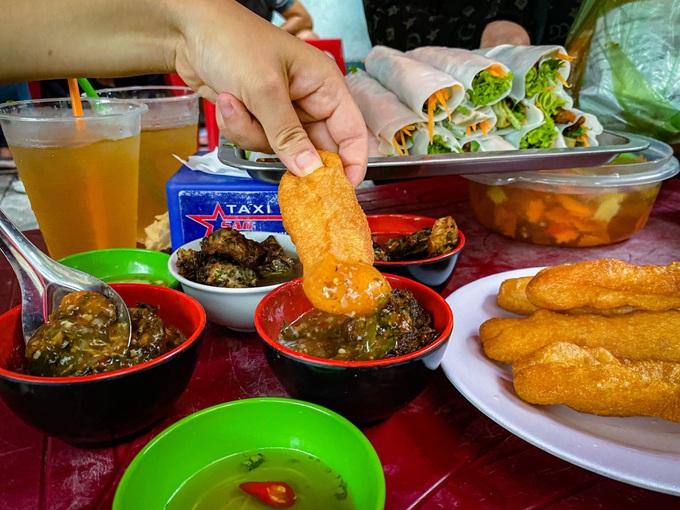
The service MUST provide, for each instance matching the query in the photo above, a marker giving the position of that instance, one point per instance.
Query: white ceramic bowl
(233, 308)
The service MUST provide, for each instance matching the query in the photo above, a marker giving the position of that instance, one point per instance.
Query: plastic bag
(627, 65)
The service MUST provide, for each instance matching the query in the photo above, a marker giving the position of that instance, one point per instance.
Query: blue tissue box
(200, 203)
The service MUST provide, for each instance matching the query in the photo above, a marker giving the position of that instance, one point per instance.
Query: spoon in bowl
(44, 282)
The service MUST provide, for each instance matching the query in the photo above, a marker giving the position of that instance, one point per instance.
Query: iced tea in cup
(169, 127)
(80, 173)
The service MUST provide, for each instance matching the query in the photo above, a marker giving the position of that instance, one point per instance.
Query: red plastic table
(438, 452)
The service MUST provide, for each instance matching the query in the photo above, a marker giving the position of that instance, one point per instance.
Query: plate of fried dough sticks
(581, 360)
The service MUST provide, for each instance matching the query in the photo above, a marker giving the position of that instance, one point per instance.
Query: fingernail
(226, 108)
(307, 162)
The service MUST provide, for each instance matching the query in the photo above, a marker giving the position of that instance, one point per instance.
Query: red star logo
(210, 221)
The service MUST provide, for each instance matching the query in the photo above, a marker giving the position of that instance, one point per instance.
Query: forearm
(105, 38)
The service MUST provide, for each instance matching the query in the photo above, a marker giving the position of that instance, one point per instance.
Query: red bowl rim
(457, 249)
(441, 338)
(15, 376)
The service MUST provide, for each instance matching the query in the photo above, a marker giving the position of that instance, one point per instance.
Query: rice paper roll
(420, 86)
(444, 142)
(535, 68)
(486, 81)
(514, 115)
(467, 120)
(489, 143)
(583, 131)
(385, 115)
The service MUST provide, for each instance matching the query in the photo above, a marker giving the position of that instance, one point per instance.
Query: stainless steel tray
(406, 167)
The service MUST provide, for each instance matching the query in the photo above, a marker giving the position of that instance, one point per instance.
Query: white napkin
(210, 164)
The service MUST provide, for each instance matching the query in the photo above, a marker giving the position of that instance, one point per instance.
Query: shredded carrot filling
(496, 70)
(564, 56)
(550, 87)
(564, 82)
(438, 98)
(399, 140)
(485, 126)
(430, 117)
(468, 131)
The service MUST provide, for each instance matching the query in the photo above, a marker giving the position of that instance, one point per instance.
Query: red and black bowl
(435, 272)
(364, 392)
(108, 408)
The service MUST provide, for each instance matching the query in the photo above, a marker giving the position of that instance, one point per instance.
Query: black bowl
(108, 408)
(364, 392)
(435, 272)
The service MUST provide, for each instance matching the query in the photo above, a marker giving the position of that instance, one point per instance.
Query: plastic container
(578, 207)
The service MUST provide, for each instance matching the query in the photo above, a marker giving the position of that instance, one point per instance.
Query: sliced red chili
(274, 494)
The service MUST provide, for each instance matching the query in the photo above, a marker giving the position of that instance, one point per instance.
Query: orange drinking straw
(77, 106)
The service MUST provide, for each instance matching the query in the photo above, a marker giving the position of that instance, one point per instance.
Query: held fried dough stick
(633, 336)
(606, 285)
(592, 380)
(329, 229)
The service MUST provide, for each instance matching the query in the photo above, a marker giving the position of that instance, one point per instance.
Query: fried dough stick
(606, 284)
(592, 380)
(512, 296)
(633, 336)
(321, 214)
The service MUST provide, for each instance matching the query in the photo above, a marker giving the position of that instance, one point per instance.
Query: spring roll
(444, 142)
(486, 81)
(535, 68)
(583, 131)
(431, 93)
(385, 115)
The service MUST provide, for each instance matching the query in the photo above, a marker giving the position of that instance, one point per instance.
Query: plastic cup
(80, 174)
(170, 126)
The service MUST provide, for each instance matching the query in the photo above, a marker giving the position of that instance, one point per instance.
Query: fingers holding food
(606, 284)
(329, 229)
(593, 380)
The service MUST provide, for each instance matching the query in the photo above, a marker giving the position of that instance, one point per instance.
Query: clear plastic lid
(650, 166)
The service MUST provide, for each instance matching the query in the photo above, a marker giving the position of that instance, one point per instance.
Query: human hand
(504, 32)
(273, 91)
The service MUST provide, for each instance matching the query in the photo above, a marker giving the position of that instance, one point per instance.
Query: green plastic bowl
(124, 265)
(207, 436)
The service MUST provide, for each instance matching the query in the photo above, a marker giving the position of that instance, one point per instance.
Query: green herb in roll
(540, 137)
(509, 113)
(544, 76)
(550, 103)
(440, 146)
(489, 85)
(471, 146)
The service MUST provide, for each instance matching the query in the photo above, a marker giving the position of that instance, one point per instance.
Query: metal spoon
(44, 282)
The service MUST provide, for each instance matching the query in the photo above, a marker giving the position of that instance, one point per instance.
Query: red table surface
(438, 452)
